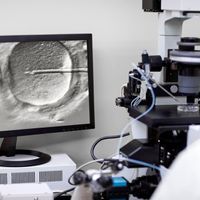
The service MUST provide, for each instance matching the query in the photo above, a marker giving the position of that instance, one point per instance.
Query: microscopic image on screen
(43, 84)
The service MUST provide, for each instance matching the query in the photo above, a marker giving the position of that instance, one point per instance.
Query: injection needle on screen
(44, 71)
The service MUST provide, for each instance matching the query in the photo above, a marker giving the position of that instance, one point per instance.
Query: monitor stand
(8, 149)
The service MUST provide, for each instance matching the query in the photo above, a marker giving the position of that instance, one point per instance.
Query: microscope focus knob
(156, 63)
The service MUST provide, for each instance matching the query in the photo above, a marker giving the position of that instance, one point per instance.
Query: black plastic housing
(151, 5)
(142, 150)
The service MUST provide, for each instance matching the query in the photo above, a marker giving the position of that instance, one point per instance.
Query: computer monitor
(46, 86)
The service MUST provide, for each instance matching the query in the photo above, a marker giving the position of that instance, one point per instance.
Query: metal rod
(166, 91)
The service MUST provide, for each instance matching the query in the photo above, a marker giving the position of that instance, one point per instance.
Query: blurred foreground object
(183, 179)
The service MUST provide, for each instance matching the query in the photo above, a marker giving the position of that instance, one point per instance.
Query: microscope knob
(156, 63)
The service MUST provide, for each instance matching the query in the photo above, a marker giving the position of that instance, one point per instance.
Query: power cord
(64, 192)
(92, 150)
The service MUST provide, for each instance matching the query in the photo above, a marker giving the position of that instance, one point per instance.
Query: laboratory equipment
(178, 84)
(26, 191)
(174, 75)
(107, 184)
(55, 173)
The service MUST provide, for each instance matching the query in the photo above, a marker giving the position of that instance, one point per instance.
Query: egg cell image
(43, 84)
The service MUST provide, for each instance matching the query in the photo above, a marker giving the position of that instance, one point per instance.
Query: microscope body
(176, 81)
(176, 69)
(175, 76)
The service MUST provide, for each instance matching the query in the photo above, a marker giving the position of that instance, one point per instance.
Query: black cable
(64, 192)
(93, 154)
(69, 179)
(101, 139)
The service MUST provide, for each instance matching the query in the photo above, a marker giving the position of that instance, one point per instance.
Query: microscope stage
(165, 115)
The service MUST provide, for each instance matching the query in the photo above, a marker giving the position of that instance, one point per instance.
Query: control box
(30, 191)
(54, 173)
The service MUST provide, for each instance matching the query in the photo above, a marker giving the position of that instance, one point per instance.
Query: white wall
(120, 32)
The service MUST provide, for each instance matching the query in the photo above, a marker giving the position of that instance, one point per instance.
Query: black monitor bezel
(57, 129)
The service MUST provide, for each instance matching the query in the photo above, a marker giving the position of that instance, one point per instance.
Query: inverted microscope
(179, 67)
(174, 75)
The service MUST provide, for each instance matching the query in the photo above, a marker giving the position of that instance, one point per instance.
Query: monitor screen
(46, 84)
